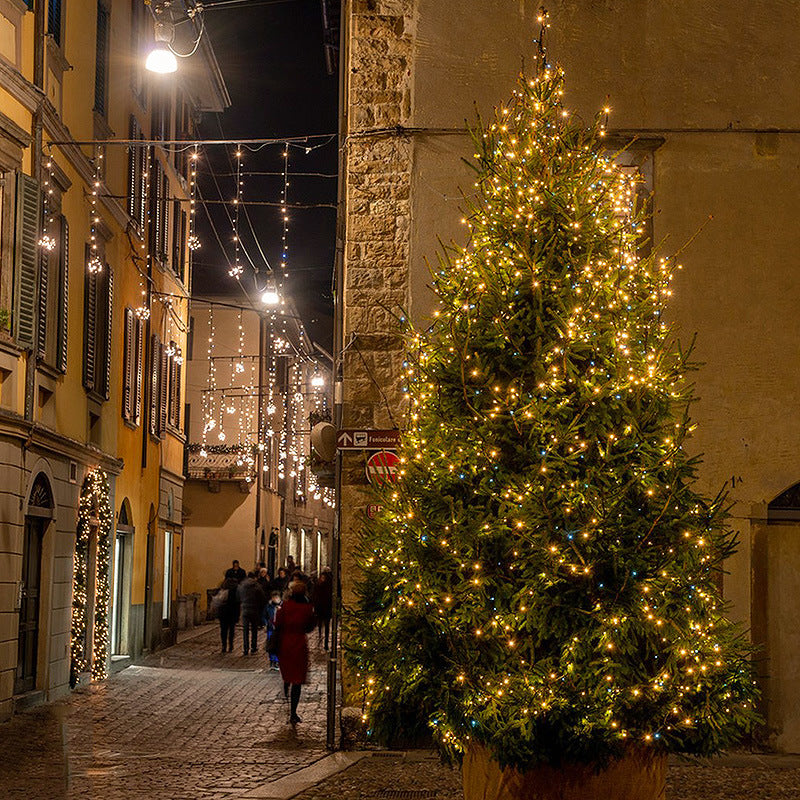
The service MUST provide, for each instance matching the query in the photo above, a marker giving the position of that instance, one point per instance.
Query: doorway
(28, 602)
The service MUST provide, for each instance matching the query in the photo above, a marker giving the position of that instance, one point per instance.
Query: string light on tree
(543, 575)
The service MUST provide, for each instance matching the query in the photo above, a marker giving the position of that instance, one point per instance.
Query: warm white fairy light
(46, 241)
(193, 240)
(236, 268)
(95, 263)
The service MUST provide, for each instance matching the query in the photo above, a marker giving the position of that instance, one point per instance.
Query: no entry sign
(382, 467)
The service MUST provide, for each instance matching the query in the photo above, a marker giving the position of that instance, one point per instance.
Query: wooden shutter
(41, 322)
(155, 391)
(108, 328)
(163, 244)
(54, 20)
(89, 328)
(163, 387)
(129, 366)
(101, 61)
(26, 257)
(63, 299)
(137, 393)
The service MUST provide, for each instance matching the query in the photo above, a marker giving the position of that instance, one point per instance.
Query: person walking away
(228, 612)
(290, 565)
(263, 582)
(236, 572)
(294, 619)
(252, 599)
(322, 599)
(270, 611)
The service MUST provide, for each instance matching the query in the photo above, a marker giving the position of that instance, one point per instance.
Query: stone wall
(378, 188)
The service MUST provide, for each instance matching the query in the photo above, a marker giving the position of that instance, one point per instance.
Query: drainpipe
(338, 346)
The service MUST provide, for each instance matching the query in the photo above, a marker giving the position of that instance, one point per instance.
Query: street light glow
(161, 60)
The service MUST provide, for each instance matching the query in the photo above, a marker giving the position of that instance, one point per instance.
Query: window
(159, 211)
(98, 323)
(159, 378)
(179, 232)
(132, 377)
(101, 61)
(54, 295)
(137, 177)
(174, 389)
(54, 20)
(138, 14)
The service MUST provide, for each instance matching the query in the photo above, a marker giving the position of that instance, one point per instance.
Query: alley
(186, 722)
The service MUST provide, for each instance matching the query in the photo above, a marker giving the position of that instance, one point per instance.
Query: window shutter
(41, 322)
(129, 367)
(107, 333)
(133, 172)
(26, 258)
(89, 329)
(137, 394)
(163, 386)
(101, 61)
(54, 20)
(155, 392)
(63, 316)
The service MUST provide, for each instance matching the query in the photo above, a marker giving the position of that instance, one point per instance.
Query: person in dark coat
(322, 598)
(236, 572)
(252, 598)
(293, 620)
(228, 613)
(279, 582)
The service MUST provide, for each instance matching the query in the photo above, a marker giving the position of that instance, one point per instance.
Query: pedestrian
(226, 604)
(293, 620)
(252, 599)
(322, 599)
(236, 572)
(290, 565)
(271, 610)
(279, 582)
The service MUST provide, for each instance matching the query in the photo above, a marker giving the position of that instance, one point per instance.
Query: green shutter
(129, 367)
(89, 328)
(108, 332)
(63, 316)
(44, 287)
(26, 258)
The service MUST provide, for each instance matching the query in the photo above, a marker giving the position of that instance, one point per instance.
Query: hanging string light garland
(95, 263)
(236, 268)
(94, 514)
(285, 211)
(193, 240)
(47, 241)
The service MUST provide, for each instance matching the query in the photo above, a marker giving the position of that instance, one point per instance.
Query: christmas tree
(543, 579)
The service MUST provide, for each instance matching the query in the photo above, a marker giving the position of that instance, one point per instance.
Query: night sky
(273, 62)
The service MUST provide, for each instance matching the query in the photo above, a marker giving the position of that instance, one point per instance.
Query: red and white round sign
(383, 467)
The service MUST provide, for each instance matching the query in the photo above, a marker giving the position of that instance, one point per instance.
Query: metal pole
(338, 346)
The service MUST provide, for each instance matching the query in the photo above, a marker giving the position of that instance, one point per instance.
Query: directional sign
(382, 467)
(353, 439)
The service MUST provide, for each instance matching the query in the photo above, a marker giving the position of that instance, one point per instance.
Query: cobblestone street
(186, 722)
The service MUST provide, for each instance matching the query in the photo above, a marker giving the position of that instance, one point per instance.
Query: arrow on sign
(344, 439)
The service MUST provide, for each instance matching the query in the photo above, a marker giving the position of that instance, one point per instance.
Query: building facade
(712, 130)
(94, 276)
(255, 385)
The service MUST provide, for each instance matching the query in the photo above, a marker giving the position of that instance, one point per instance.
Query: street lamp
(161, 58)
(270, 296)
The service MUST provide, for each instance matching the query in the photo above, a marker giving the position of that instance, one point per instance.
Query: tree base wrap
(637, 776)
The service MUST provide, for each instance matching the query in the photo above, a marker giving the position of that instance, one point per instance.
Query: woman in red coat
(294, 619)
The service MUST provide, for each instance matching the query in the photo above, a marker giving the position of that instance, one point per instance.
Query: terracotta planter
(638, 776)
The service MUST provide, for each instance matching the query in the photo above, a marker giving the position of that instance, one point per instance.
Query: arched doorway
(37, 517)
(91, 593)
(121, 587)
(776, 617)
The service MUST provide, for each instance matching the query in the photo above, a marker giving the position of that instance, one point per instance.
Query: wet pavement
(185, 722)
